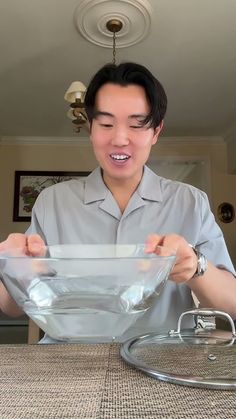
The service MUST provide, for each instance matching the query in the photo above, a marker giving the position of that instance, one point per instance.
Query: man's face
(121, 142)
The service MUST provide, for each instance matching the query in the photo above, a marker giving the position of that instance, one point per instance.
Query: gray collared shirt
(85, 211)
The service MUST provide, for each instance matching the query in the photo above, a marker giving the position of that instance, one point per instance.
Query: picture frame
(29, 184)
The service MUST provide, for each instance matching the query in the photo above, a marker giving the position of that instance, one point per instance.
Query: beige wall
(232, 155)
(35, 157)
(74, 157)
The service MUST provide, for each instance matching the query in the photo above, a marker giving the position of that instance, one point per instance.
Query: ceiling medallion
(91, 17)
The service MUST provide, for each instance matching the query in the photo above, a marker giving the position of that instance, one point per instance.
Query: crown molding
(30, 140)
(79, 141)
(191, 140)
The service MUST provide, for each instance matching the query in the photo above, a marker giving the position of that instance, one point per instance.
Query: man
(125, 202)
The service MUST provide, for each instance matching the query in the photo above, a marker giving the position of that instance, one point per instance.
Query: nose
(120, 136)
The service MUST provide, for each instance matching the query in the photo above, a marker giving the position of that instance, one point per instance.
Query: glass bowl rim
(145, 256)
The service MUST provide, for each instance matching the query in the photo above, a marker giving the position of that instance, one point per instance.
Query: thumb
(36, 245)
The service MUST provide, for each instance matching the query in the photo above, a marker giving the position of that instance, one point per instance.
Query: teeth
(119, 156)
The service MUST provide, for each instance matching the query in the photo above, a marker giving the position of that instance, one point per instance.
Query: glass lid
(198, 357)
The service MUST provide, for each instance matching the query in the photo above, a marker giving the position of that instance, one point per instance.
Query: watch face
(201, 264)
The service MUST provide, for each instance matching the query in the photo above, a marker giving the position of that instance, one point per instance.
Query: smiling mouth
(120, 157)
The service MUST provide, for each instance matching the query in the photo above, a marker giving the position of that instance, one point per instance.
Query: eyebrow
(136, 116)
(133, 116)
(101, 113)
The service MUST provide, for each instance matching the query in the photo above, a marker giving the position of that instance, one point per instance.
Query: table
(92, 381)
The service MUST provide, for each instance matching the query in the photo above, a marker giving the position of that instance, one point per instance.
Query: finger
(36, 245)
(160, 246)
(2, 246)
(183, 271)
(16, 240)
(15, 244)
(164, 251)
(152, 241)
(174, 241)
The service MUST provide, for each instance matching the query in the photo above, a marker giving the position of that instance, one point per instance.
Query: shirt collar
(150, 186)
(95, 188)
(148, 189)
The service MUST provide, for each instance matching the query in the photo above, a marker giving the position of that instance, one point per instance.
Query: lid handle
(206, 312)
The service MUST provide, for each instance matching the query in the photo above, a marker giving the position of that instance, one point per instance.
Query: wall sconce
(75, 96)
(225, 212)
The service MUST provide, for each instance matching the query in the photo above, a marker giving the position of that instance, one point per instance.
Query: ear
(157, 131)
(89, 128)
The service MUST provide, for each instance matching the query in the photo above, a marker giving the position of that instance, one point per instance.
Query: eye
(138, 123)
(106, 125)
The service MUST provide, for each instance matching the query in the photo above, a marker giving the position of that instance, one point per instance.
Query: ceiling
(191, 48)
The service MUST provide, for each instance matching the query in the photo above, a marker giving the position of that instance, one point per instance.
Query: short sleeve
(211, 240)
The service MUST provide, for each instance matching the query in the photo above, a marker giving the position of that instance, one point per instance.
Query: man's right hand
(20, 244)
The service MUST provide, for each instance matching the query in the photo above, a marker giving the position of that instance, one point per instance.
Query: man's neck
(122, 189)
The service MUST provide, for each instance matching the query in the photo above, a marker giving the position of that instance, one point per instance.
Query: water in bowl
(82, 325)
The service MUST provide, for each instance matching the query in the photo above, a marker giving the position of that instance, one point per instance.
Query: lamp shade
(76, 90)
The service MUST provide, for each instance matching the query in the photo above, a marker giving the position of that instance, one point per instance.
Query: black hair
(123, 75)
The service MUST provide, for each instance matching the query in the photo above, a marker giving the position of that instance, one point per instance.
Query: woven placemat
(52, 381)
(92, 381)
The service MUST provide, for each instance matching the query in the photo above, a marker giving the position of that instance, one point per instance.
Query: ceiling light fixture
(127, 22)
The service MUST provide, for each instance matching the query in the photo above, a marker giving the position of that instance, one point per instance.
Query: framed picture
(29, 184)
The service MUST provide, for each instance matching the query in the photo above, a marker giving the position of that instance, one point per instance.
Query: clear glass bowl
(86, 292)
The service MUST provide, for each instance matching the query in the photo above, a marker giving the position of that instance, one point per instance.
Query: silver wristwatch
(201, 263)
